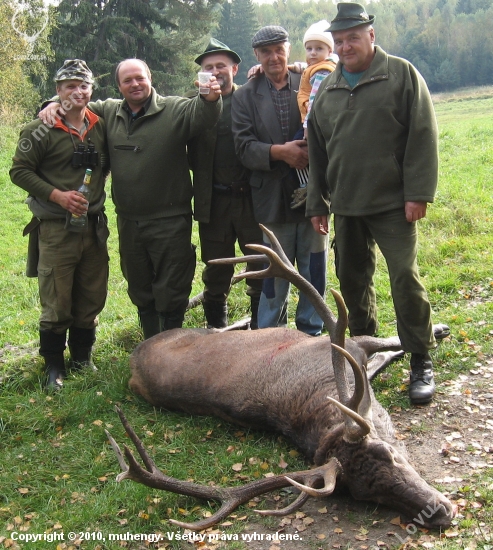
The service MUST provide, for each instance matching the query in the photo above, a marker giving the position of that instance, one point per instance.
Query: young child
(321, 61)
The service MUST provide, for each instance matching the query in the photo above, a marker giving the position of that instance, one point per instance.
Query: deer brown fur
(285, 381)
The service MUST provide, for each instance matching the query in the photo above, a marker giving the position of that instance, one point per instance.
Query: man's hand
(320, 224)
(415, 210)
(51, 113)
(214, 89)
(297, 67)
(73, 201)
(255, 71)
(294, 153)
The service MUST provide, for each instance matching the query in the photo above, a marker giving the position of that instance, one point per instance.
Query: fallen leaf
(237, 467)
(396, 521)
(282, 463)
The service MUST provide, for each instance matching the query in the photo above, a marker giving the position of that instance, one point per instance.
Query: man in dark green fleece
(152, 190)
(71, 263)
(373, 152)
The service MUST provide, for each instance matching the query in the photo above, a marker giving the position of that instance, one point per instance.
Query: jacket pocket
(134, 148)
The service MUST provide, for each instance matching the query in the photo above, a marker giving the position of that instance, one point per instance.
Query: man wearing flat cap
(222, 196)
(71, 263)
(374, 163)
(265, 119)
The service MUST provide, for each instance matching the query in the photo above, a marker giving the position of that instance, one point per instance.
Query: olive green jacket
(149, 166)
(374, 147)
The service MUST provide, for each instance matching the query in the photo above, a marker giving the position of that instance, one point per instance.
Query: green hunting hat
(350, 15)
(215, 46)
(74, 69)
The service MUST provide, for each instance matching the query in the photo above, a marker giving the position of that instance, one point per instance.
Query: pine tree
(104, 32)
(237, 26)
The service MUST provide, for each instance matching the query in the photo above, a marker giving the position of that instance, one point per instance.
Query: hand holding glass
(204, 78)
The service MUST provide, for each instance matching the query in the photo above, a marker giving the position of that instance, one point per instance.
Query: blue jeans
(308, 249)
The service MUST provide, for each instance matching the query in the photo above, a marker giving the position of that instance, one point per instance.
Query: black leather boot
(149, 321)
(216, 314)
(51, 348)
(172, 319)
(254, 302)
(421, 384)
(80, 342)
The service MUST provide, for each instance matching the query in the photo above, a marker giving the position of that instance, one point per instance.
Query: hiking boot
(172, 319)
(149, 321)
(80, 342)
(299, 198)
(421, 382)
(51, 348)
(216, 314)
(254, 303)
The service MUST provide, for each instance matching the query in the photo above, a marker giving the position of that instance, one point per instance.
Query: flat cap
(215, 46)
(74, 69)
(350, 15)
(269, 35)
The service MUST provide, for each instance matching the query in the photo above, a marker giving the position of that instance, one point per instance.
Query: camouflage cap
(74, 69)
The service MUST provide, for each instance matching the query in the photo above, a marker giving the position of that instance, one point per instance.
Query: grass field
(57, 470)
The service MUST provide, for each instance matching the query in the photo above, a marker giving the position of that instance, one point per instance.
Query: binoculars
(85, 157)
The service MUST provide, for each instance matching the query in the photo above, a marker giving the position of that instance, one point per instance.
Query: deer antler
(230, 498)
(280, 266)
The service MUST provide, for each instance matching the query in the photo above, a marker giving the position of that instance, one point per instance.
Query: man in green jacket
(152, 190)
(222, 195)
(70, 262)
(373, 153)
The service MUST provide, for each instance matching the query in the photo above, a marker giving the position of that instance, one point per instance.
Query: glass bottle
(81, 221)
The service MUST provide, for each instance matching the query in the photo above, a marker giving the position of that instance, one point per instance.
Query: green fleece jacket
(43, 161)
(374, 147)
(149, 167)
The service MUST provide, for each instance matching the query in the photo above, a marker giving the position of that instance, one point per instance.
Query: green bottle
(81, 221)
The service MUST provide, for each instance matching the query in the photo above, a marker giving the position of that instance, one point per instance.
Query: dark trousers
(355, 248)
(158, 261)
(231, 220)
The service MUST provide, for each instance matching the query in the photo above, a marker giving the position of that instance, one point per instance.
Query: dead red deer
(286, 381)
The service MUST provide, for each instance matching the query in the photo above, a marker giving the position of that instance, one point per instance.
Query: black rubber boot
(172, 319)
(254, 302)
(51, 348)
(216, 314)
(80, 342)
(149, 321)
(421, 384)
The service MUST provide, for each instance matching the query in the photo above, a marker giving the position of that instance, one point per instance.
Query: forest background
(449, 41)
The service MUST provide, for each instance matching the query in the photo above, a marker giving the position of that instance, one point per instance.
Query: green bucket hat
(74, 69)
(350, 15)
(215, 46)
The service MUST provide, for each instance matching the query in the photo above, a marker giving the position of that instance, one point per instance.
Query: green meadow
(57, 470)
